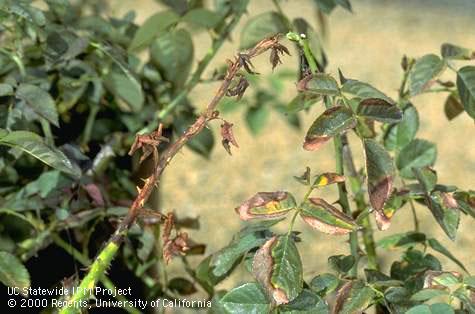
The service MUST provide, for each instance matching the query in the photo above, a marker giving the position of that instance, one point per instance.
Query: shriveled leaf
(402, 240)
(322, 216)
(399, 135)
(324, 284)
(202, 17)
(228, 136)
(379, 110)
(12, 272)
(437, 246)
(353, 297)
(268, 205)
(328, 178)
(450, 51)
(261, 26)
(39, 101)
(152, 26)
(417, 154)
(424, 71)
(363, 90)
(332, 122)
(307, 302)
(380, 171)
(319, 83)
(341, 263)
(452, 107)
(247, 298)
(34, 145)
(466, 88)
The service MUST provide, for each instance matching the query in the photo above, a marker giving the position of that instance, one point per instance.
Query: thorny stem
(107, 254)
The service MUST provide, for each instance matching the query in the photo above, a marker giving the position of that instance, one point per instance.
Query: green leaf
(181, 286)
(469, 281)
(427, 294)
(452, 107)
(402, 240)
(402, 133)
(424, 71)
(332, 122)
(353, 297)
(287, 273)
(247, 298)
(446, 216)
(302, 101)
(125, 86)
(416, 154)
(324, 284)
(344, 4)
(268, 205)
(202, 17)
(6, 90)
(326, 6)
(341, 263)
(420, 309)
(34, 145)
(466, 88)
(379, 110)
(437, 246)
(441, 308)
(12, 272)
(306, 303)
(427, 177)
(173, 53)
(322, 216)
(256, 118)
(151, 28)
(450, 51)
(39, 101)
(380, 172)
(363, 90)
(319, 83)
(261, 26)
(466, 202)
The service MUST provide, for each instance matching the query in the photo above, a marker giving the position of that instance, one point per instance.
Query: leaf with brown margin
(353, 297)
(333, 121)
(324, 217)
(380, 171)
(379, 110)
(328, 178)
(262, 269)
(266, 205)
(319, 83)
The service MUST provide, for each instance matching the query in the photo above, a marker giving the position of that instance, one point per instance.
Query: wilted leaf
(450, 51)
(332, 122)
(228, 136)
(202, 17)
(353, 297)
(319, 83)
(324, 217)
(416, 154)
(380, 171)
(452, 107)
(437, 246)
(328, 178)
(34, 145)
(268, 205)
(247, 298)
(379, 110)
(402, 133)
(363, 90)
(261, 26)
(152, 27)
(424, 71)
(39, 101)
(12, 272)
(466, 88)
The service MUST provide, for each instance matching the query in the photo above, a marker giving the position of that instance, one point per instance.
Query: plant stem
(93, 110)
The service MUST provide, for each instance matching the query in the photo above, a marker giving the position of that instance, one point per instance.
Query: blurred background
(367, 45)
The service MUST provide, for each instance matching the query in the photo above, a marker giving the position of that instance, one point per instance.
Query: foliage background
(366, 45)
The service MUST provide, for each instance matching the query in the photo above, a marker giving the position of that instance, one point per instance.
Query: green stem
(93, 110)
(308, 54)
(47, 131)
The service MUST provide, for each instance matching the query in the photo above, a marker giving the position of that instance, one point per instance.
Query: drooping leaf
(34, 145)
(380, 171)
(247, 298)
(152, 26)
(39, 101)
(307, 302)
(332, 122)
(424, 71)
(322, 216)
(379, 110)
(12, 272)
(437, 246)
(202, 17)
(319, 83)
(173, 53)
(268, 205)
(341, 263)
(353, 297)
(260, 27)
(363, 90)
(466, 88)
(399, 135)
(452, 107)
(125, 86)
(450, 51)
(417, 154)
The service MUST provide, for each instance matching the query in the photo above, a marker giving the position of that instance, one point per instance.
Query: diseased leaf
(466, 88)
(452, 107)
(353, 297)
(247, 298)
(202, 17)
(437, 246)
(466, 202)
(333, 121)
(12, 272)
(363, 90)
(402, 133)
(34, 145)
(39, 101)
(328, 178)
(417, 154)
(450, 51)
(319, 83)
(267, 205)
(380, 171)
(152, 26)
(322, 216)
(379, 110)
(261, 26)
(228, 136)
(424, 71)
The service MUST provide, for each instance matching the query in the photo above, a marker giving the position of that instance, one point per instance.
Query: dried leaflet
(267, 205)
(228, 136)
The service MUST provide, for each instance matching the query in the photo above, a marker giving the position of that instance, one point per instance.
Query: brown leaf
(239, 89)
(268, 205)
(378, 195)
(315, 143)
(275, 53)
(94, 193)
(449, 201)
(430, 275)
(176, 246)
(341, 297)
(228, 136)
(328, 178)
